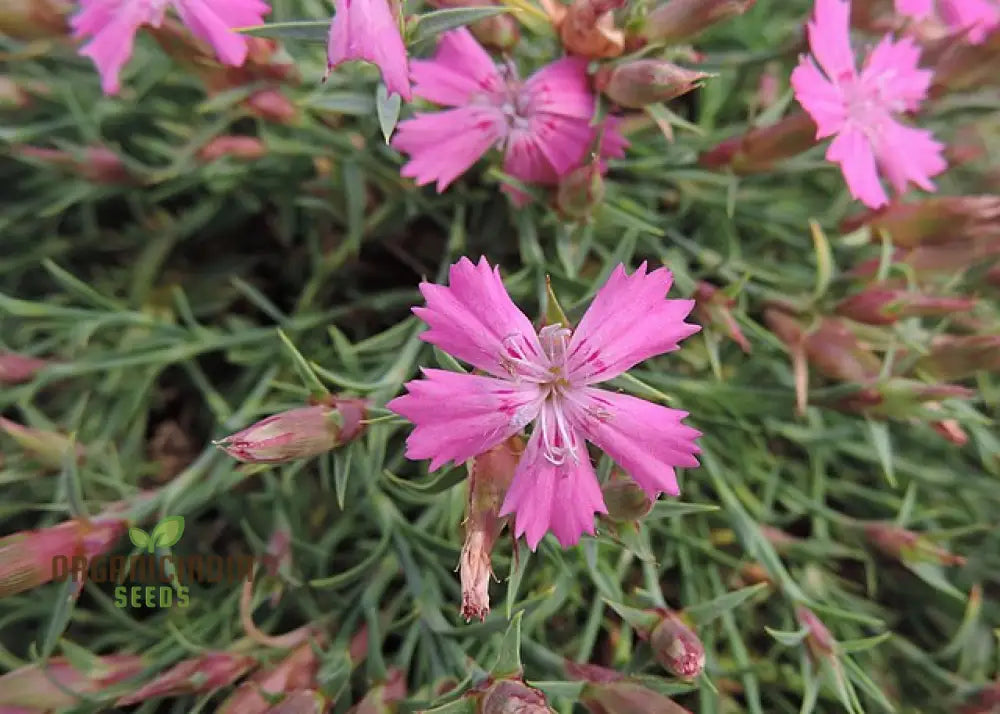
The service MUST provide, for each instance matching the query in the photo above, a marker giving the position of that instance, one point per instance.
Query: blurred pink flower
(112, 24)
(542, 124)
(547, 378)
(977, 17)
(860, 108)
(368, 30)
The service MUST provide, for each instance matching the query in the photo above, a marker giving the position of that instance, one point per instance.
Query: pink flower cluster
(975, 17)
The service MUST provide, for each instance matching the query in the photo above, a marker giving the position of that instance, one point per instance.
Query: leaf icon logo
(166, 533)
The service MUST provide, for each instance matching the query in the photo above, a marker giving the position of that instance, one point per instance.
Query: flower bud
(929, 261)
(499, 31)
(636, 83)
(272, 105)
(986, 701)
(677, 20)
(380, 697)
(902, 544)
(580, 191)
(960, 66)
(952, 357)
(49, 687)
(48, 447)
(508, 696)
(790, 331)
(876, 306)
(760, 149)
(588, 29)
(97, 164)
(490, 476)
(838, 354)
(938, 219)
(32, 558)
(301, 701)
(297, 671)
(298, 433)
(820, 642)
(199, 675)
(17, 369)
(610, 692)
(239, 147)
(952, 431)
(625, 499)
(34, 19)
(900, 398)
(713, 308)
(677, 648)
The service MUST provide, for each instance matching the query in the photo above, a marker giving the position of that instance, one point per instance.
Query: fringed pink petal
(822, 100)
(562, 88)
(214, 21)
(829, 38)
(460, 70)
(852, 150)
(367, 30)
(892, 70)
(907, 155)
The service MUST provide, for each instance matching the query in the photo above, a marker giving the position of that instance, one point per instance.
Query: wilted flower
(676, 647)
(49, 687)
(587, 28)
(508, 696)
(898, 542)
(546, 378)
(199, 675)
(542, 124)
(369, 30)
(937, 219)
(974, 18)
(760, 149)
(636, 83)
(680, 19)
(297, 671)
(16, 369)
(879, 306)
(297, 433)
(240, 147)
(112, 24)
(610, 692)
(860, 108)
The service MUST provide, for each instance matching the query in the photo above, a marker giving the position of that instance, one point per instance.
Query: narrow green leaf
(432, 24)
(305, 371)
(459, 706)
(824, 259)
(642, 621)
(508, 662)
(521, 558)
(304, 30)
(790, 639)
(879, 432)
(863, 644)
(704, 612)
(387, 107)
(672, 509)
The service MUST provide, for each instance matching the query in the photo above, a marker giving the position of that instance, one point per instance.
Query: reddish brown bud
(640, 82)
(17, 369)
(580, 191)
(490, 476)
(272, 105)
(49, 448)
(32, 558)
(200, 675)
(625, 499)
(952, 357)
(380, 697)
(759, 150)
(899, 398)
(509, 696)
(713, 308)
(93, 163)
(240, 147)
(820, 642)
(677, 648)
(611, 692)
(298, 433)
(34, 19)
(588, 28)
(838, 354)
(939, 219)
(952, 431)
(50, 687)
(790, 331)
(682, 19)
(902, 544)
(297, 671)
(959, 65)
(985, 701)
(876, 306)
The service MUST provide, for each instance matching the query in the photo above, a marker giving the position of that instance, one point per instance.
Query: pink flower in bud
(610, 692)
(239, 147)
(902, 544)
(860, 109)
(953, 357)
(297, 671)
(838, 354)
(820, 642)
(712, 307)
(17, 369)
(636, 83)
(876, 306)
(49, 688)
(369, 30)
(379, 698)
(580, 191)
(199, 675)
(625, 499)
(952, 431)
(677, 20)
(587, 28)
(489, 478)
(758, 150)
(960, 66)
(97, 164)
(985, 701)
(111, 26)
(938, 219)
(32, 558)
(972, 18)
(272, 105)
(47, 447)
(547, 378)
(298, 433)
(508, 696)
(676, 647)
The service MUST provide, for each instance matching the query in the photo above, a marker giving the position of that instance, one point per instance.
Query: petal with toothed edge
(646, 440)
(546, 497)
(853, 152)
(113, 37)
(474, 319)
(829, 38)
(213, 23)
(819, 97)
(892, 69)
(457, 416)
(907, 155)
(459, 70)
(630, 320)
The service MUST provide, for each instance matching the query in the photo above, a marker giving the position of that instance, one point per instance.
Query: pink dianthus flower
(112, 24)
(861, 108)
(542, 124)
(977, 17)
(547, 379)
(368, 30)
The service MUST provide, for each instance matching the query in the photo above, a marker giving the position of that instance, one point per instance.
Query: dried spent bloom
(297, 433)
(204, 673)
(508, 696)
(240, 147)
(38, 688)
(587, 28)
(297, 671)
(640, 82)
(974, 18)
(368, 30)
(879, 306)
(546, 379)
(860, 109)
(678, 20)
(111, 26)
(17, 369)
(542, 124)
(676, 647)
(937, 219)
(758, 150)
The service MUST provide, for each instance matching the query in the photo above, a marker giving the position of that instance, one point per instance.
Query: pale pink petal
(367, 30)
(892, 71)
(909, 155)
(852, 150)
(645, 439)
(823, 100)
(548, 147)
(213, 22)
(474, 319)
(561, 498)
(829, 38)
(113, 36)
(979, 17)
(460, 70)
(917, 9)
(443, 145)
(457, 416)
(628, 321)
(562, 88)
